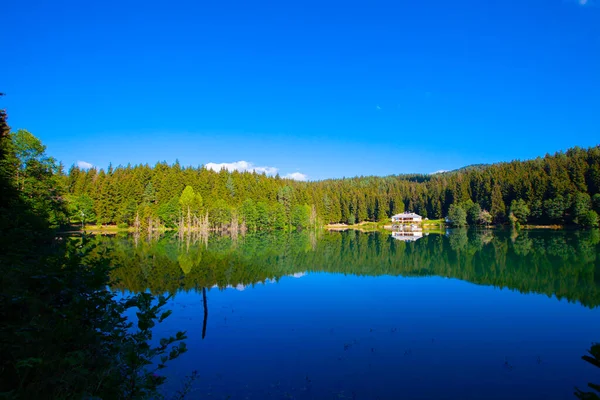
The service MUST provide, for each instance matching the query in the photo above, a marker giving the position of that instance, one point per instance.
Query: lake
(350, 315)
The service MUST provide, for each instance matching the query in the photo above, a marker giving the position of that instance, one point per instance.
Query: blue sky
(325, 89)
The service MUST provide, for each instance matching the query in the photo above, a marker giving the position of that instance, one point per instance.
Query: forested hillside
(563, 188)
(557, 189)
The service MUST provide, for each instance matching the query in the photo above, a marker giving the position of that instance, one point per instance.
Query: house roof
(407, 215)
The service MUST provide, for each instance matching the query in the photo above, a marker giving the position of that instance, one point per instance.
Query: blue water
(335, 336)
(348, 315)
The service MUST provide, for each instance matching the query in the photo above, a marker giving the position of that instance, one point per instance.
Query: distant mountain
(472, 167)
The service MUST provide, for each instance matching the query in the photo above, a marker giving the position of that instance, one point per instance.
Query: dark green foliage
(589, 219)
(169, 212)
(596, 202)
(220, 214)
(457, 215)
(555, 209)
(38, 178)
(498, 208)
(63, 333)
(301, 216)
(277, 217)
(68, 335)
(519, 212)
(249, 214)
(473, 213)
(582, 204)
(262, 216)
(594, 359)
(549, 187)
(127, 212)
(81, 209)
(149, 194)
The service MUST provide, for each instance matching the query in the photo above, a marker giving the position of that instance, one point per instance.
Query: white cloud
(583, 2)
(378, 107)
(297, 176)
(266, 170)
(241, 166)
(84, 165)
(441, 171)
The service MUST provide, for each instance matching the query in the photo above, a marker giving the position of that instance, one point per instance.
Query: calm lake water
(349, 315)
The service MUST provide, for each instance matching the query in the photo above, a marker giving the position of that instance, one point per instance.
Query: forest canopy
(563, 188)
(556, 189)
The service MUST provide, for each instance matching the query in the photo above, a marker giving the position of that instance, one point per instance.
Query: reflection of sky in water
(374, 317)
(342, 336)
(241, 287)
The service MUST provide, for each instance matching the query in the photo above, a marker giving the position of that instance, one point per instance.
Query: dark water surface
(349, 315)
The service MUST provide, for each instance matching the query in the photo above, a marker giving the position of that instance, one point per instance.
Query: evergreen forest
(558, 189)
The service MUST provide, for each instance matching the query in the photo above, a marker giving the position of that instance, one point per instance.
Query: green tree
(380, 214)
(127, 212)
(498, 209)
(596, 202)
(588, 219)
(457, 215)
(285, 197)
(230, 186)
(277, 217)
(169, 213)
(537, 210)
(582, 204)
(38, 177)
(555, 209)
(485, 218)
(300, 216)
(361, 209)
(149, 194)
(519, 212)
(81, 209)
(28, 149)
(473, 213)
(262, 216)
(190, 201)
(219, 214)
(351, 219)
(249, 214)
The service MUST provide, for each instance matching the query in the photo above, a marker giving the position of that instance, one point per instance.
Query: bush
(589, 219)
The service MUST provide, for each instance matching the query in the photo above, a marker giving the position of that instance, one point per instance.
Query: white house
(407, 218)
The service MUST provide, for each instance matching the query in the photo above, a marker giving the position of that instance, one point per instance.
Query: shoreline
(364, 226)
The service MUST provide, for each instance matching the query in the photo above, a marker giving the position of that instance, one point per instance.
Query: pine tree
(498, 209)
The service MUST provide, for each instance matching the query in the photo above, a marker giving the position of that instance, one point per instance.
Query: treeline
(559, 189)
(530, 262)
(563, 188)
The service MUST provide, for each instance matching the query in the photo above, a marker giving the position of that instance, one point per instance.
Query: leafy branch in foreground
(63, 332)
(594, 359)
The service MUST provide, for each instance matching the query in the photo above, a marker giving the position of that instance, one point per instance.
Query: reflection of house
(407, 236)
(405, 218)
